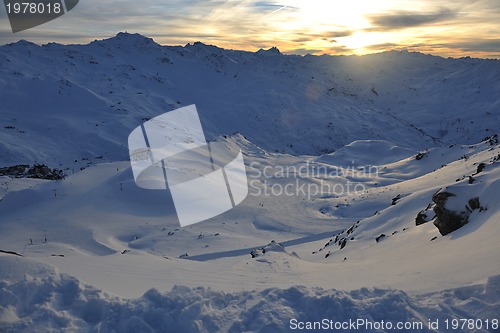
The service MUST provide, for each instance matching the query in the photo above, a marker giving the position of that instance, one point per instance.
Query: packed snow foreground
(373, 186)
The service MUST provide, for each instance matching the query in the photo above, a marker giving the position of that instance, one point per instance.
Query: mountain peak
(134, 39)
(202, 46)
(269, 52)
(131, 36)
(22, 43)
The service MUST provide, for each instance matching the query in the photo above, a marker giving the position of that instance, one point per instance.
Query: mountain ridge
(285, 103)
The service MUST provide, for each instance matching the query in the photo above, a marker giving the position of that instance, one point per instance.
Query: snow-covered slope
(344, 155)
(57, 301)
(109, 234)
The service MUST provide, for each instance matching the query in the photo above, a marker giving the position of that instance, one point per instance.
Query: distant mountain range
(62, 103)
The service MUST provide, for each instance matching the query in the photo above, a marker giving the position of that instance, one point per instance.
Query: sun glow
(332, 23)
(350, 26)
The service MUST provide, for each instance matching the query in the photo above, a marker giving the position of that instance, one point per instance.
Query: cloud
(489, 45)
(302, 37)
(303, 51)
(453, 48)
(485, 4)
(384, 46)
(338, 49)
(175, 21)
(406, 19)
(336, 34)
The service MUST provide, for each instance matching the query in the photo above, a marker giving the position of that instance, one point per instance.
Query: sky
(448, 28)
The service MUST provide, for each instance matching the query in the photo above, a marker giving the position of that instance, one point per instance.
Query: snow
(367, 153)
(106, 255)
(58, 300)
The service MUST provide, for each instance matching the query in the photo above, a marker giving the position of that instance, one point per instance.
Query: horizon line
(317, 53)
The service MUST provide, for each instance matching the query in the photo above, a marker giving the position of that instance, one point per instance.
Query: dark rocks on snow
(473, 204)
(492, 140)
(343, 243)
(421, 155)
(14, 171)
(480, 168)
(395, 199)
(421, 218)
(11, 252)
(447, 220)
(379, 238)
(425, 215)
(40, 171)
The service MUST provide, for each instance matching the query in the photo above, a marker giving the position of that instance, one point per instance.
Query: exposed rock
(473, 204)
(425, 215)
(11, 252)
(421, 218)
(440, 198)
(14, 171)
(343, 243)
(421, 155)
(447, 220)
(40, 171)
(395, 199)
(492, 140)
(341, 238)
(379, 238)
(480, 168)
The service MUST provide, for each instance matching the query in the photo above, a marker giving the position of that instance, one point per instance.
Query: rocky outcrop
(421, 155)
(40, 171)
(379, 238)
(449, 220)
(425, 215)
(492, 140)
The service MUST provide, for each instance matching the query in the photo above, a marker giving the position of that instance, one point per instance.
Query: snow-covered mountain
(68, 102)
(369, 149)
